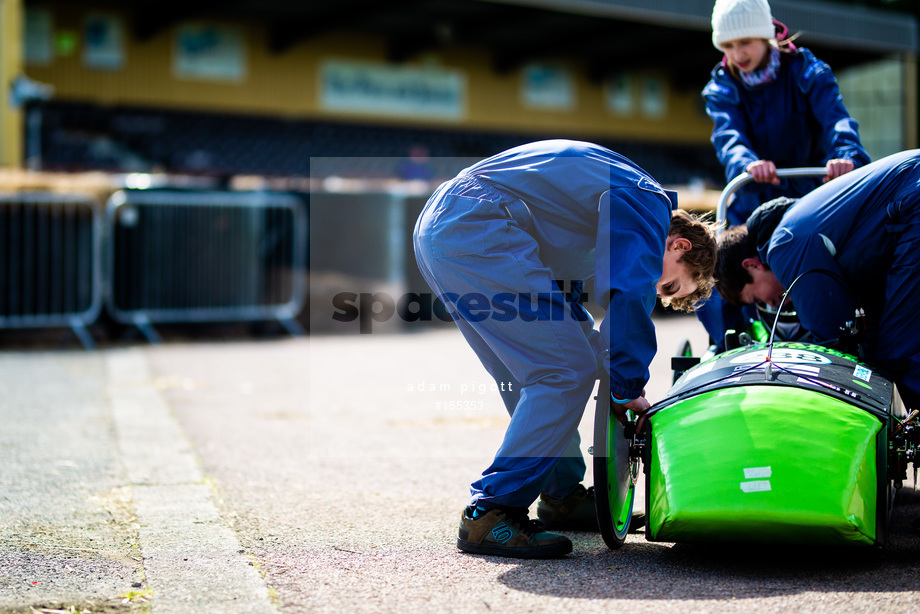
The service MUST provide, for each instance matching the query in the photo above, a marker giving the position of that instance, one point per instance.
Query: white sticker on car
(756, 479)
(861, 372)
(756, 486)
(783, 356)
(751, 473)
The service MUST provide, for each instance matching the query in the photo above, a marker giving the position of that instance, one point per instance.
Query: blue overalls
(863, 228)
(493, 241)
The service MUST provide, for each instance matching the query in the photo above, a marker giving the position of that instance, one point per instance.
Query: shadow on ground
(645, 570)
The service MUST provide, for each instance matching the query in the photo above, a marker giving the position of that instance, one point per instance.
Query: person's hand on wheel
(639, 405)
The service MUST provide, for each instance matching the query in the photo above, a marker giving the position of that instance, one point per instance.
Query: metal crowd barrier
(191, 256)
(50, 262)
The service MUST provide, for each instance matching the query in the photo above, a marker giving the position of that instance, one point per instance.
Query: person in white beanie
(773, 105)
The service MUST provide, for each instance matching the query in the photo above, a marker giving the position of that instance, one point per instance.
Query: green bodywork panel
(774, 464)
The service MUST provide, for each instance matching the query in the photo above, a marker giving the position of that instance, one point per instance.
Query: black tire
(614, 489)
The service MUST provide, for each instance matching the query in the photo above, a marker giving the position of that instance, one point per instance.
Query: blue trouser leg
(718, 316)
(568, 472)
(570, 469)
(898, 341)
(482, 254)
(710, 316)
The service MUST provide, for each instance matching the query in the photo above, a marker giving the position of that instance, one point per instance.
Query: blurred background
(184, 165)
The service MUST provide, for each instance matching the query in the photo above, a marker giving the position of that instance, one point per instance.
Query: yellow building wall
(287, 85)
(10, 67)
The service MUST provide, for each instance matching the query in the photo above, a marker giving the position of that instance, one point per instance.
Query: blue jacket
(595, 215)
(848, 227)
(796, 120)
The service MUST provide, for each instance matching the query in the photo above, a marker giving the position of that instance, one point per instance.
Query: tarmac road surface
(327, 475)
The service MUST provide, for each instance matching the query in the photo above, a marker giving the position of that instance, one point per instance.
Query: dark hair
(700, 260)
(735, 244)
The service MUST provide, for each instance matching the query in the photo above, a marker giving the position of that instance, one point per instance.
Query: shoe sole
(549, 551)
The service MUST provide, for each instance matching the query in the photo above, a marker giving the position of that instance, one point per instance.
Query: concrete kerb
(192, 560)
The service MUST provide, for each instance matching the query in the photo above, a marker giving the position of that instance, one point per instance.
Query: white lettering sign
(392, 90)
(548, 87)
(212, 53)
(104, 42)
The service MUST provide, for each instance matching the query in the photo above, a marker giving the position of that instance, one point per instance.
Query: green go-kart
(780, 442)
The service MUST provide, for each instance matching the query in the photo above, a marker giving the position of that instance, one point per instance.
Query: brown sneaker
(508, 532)
(577, 512)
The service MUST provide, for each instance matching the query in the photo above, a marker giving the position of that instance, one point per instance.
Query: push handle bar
(745, 178)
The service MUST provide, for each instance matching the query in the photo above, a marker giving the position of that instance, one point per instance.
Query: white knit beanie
(734, 19)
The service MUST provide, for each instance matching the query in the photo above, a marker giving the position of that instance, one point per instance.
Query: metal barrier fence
(187, 256)
(50, 262)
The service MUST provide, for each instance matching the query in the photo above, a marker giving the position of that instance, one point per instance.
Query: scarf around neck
(764, 75)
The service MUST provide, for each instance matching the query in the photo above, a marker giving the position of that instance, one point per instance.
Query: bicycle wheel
(614, 473)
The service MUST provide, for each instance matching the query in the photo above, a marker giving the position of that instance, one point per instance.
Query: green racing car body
(774, 443)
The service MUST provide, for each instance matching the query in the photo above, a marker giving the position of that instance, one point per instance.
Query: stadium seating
(80, 137)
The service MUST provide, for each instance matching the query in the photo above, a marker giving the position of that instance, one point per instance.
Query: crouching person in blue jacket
(852, 242)
(508, 244)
